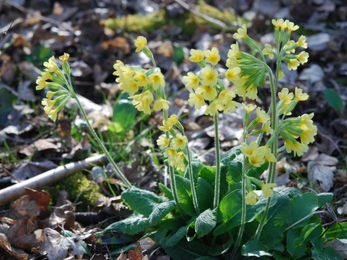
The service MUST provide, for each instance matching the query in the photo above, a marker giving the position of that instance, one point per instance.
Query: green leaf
(167, 192)
(336, 231)
(255, 248)
(273, 231)
(205, 222)
(230, 205)
(204, 192)
(184, 195)
(124, 115)
(6, 104)
(334, 99)
(173, 239)
(161, 211)
(178, 55)
(40, 55)
(142, 201)
(324, 198)
(131, 225)
(302, 206)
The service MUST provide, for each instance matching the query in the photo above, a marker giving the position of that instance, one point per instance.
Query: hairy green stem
(274, 146)
(218, 170)
(192, 182)
(243, 213)
(102, 146)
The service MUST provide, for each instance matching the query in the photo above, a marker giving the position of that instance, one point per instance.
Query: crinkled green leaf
(255, 248)
(184, 195)
(131, 225)
(142, 201)
(205, 222)
(161, 211)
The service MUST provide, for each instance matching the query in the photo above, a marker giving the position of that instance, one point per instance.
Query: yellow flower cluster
(53, 78)
(173, 146)
(297, 133)
(257, 155)
(206, 87)
(247, 72)
(150, 82)
(252, 197)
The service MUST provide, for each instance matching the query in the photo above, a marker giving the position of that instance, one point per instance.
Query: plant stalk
(102, 146)
(218, 168)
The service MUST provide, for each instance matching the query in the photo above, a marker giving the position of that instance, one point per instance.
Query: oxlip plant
(224, 211)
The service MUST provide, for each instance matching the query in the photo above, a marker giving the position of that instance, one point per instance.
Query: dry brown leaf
(135, 254)
(8, 252)
(58, 247)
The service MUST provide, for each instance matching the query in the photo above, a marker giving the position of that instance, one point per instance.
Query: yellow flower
(173, 119)
(214, 108)
(299, 96)
(196, 55)
(286, 98)
(268, 155)
(48, 104)
(49, 94)
(267, 189)
(179, 142)
(279, 24)
(41, 80)
(290, 46)
(53, 114)
(141, 79)
(191, 81)
(267, 128)
(250, 149)
(298, 148)
(157, 80)
(226, 96)
(212, 56)
(261, 115)
(208, 76)
(161, 104)
(140, 43)
(179, 161)
(302, 57)
(302, 42)
(231, 107)
(256, 159)
(196, 100)
(309, 129)
(291, 26)
(64, 57)
(251, 198)
(166, 127)
(142, 102)
(241, 32)
(249, 108)
(130, 87)
(163, 142)
(207, 92)
(51, 65)
(268, 50)
(281, 74)
(233, 74)
(293, 64)
(170, 154)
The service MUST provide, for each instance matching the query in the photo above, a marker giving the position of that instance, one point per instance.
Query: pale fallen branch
(48, 178)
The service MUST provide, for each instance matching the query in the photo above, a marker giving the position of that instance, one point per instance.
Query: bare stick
(47, 178)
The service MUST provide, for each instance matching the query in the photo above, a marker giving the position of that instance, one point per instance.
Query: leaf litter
(32, 33)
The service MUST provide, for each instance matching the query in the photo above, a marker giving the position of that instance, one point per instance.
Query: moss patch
(188, 21)
(78, 185)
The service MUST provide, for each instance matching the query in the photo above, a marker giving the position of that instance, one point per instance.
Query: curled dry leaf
(320, 176)
(57, 247)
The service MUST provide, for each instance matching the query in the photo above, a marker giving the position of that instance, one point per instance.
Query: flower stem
(218, 170)
(192, 182)
(243, 213)
(274, 146)
(102, 146)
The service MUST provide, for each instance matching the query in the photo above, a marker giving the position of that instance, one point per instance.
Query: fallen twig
(47, 178)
